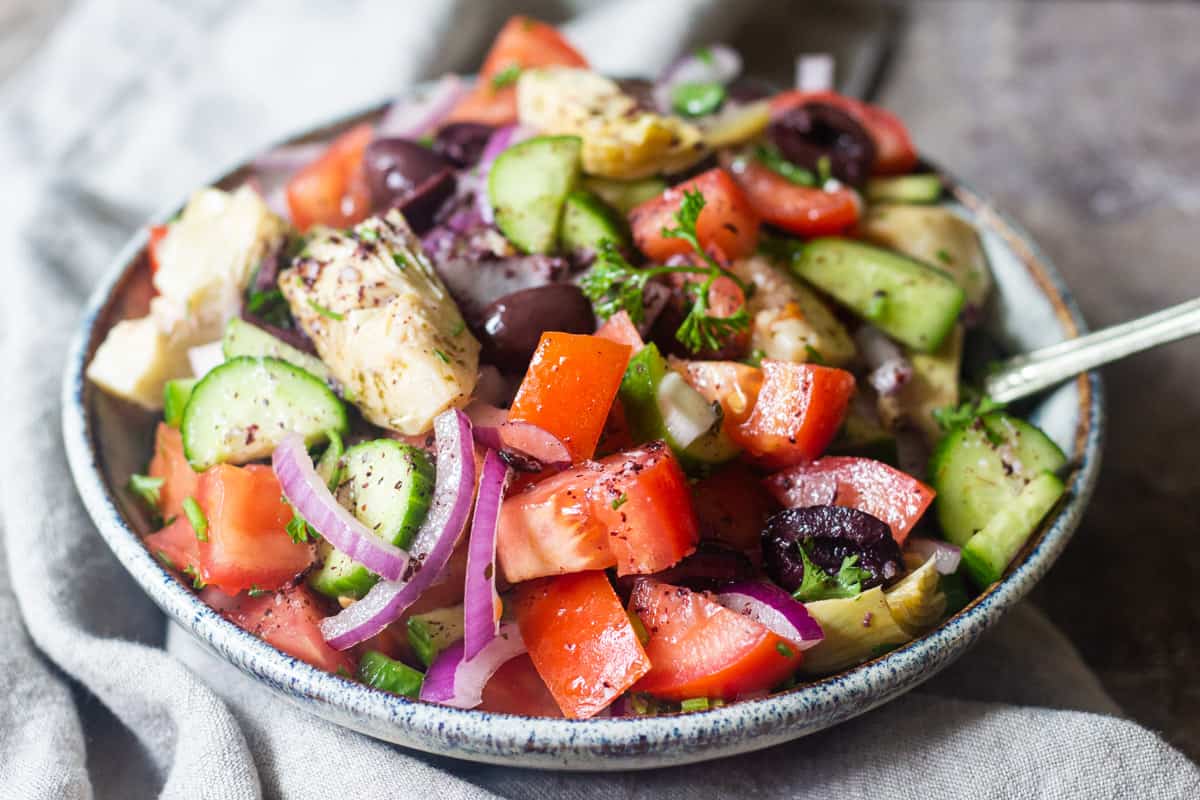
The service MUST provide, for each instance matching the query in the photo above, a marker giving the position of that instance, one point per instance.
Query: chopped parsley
(164, 559)
(506, 77)
(194, 574)
(367, 234)
(196, 517)
(325, 312)
(694, 704)
(950, 418)
(818, 584)
(459, 328)
(944, 256)
(755, 358)
(255, 591)
(620, 501)
(148, 489)
(705, 54)
(784, 650)
(300, 531)
(445, 359)
(813, 356)
(769, 156)
(399, 260)
(270, 306)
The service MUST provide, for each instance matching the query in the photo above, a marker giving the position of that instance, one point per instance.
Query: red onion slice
(453, 680)
(480, 623)
(414, 118)
(431, 547)
(774, 608)
(525, 439)
(946, 556)
(312, 499)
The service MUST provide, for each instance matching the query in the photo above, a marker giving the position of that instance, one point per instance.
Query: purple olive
(421, 206)
(810, 132)
(396, 168)
(462, 143)
(512, 325)
(829, 534)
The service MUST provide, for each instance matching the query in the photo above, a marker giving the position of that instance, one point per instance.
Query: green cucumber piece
(528, 186)
(241, 410)
(330, 465)
(377, 670)
(176, 394)
(587, 221)
(432, 632)
(624, 196)
(987, 554)
(244, 339)
(905, 189)
(388, 486)
(979, 469)
(910, 301)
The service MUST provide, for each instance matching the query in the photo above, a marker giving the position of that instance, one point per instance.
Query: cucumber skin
(241, 338)
(378, 671)
(587, 221)
(433, 631)
(625, 196)
(988, 553)
(339, 576)
(910, 189)
(176, 394)
(334, 412)
(520, 219)
(922, 302)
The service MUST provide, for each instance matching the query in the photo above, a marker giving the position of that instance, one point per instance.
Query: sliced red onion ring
(312, 499)
(480, 623)
(431, 547)
(716, 63)
(205, 357)
(453, 680)
(525, 439)
(774, 608)
(484, 415)
(814, 72)
(412, 119)
(946, 556)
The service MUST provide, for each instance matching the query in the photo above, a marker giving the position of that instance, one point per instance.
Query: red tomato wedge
(798, 412)
(731, 505)
(170, 464)
(894, 151)
(177, 545)
(699, 648)
(516, 688)
(802, 210)
(521, 43)
(620, 329)
(248, 544)
(157, 234)
(727, 224)
(630, 510)
(333, 190)
(569, 388)
(871, 486)
(580, 640)
(289, 620)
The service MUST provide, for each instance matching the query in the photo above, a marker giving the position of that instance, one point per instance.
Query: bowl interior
(108, 440)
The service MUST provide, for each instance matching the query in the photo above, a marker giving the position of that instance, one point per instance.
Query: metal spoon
(1029, 373)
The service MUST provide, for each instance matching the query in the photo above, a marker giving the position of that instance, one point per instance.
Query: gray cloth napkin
(130, 105)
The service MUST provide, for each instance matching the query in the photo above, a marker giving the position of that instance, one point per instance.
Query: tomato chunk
(728, 224)
(699, 648)
(333, 190)
(803, 210)
(248, 544)
(882, 491)
(569, 388)
(631, 510)
(288, 620)
(170, 464)
(798, 412)
(894, 151)
(620, 328)
(521, 43)
(731, 505)
(177, 544)
(516, 688)
(580, 640)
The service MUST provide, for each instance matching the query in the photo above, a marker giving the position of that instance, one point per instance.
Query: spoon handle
(1027, 374)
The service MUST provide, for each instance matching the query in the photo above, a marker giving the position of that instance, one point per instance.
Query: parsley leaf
(270, 306)
(507, 76)
(620, 501)
(148, 489)
(818, 584)
(325, 312)
(299, 531)
(196, 517)
(950, 418)
(255, 591)
(769, 156)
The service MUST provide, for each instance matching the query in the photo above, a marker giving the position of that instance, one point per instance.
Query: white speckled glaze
(107, 440)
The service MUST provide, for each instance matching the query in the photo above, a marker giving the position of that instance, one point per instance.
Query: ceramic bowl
(107, 440)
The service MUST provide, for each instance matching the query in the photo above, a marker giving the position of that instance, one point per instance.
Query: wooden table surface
(1083, 121)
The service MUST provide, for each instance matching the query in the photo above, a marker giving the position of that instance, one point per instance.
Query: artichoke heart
(856, 629)
(917, 602)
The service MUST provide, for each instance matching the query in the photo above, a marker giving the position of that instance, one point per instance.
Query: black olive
(396, 168)
(829, 535)
(810, 132)
(421, 206)
(642, 92)
(462, 143)
(511, 326)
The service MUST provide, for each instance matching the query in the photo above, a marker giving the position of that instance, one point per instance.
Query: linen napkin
(129, 105)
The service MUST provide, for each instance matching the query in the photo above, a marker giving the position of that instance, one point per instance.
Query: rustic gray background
(1083, 120)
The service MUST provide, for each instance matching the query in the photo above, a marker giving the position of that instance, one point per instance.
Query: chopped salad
(569, 396)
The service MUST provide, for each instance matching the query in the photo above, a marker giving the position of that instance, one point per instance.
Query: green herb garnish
(399, 260)
(694, 704)
(697, 99)
(257, 592)
(325, 312)
(148, 489)
(818, 584)
(445, 359)
(270, 306)
(620, 501)
(784, 650)
(300, 531)
(194, 574)
(949, 418)
(769, 156)
(459, 328)
(506, 77)
(196, 517)
(944, 256)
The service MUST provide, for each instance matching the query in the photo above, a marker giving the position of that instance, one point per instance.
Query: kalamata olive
(708, 569)
(748, 90)
(512, 325)
(421, 206)
(462, 143)
(642, 92)
(810, 132)
(395, 168)
(829, 534)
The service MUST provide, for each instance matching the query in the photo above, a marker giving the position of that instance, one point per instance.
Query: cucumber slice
(176, 394)
(906, 299)
(241, 409)
(978, 471)
(388, 486)
(987, 554)
(624, 196)
(377, 670)
(243, 339)
(528, 186)
(432, 632)
(330, 465)
(905, 189)
(587, 221)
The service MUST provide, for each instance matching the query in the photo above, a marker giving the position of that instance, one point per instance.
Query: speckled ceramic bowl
(108, 440)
